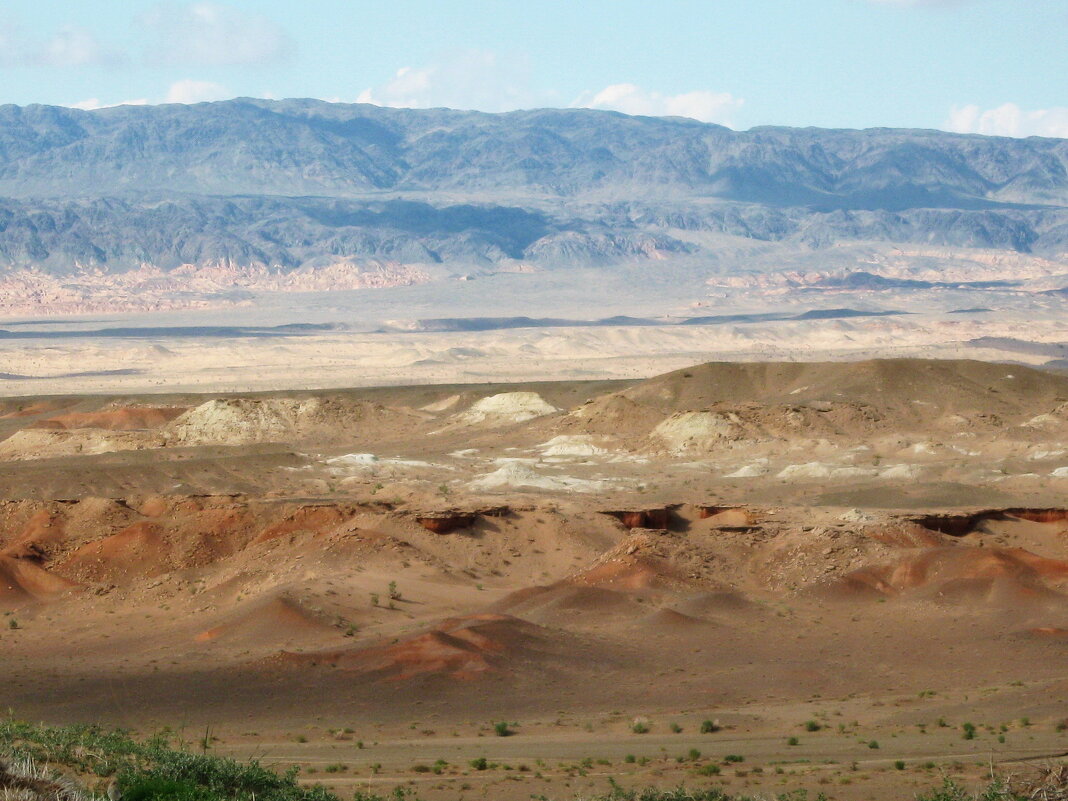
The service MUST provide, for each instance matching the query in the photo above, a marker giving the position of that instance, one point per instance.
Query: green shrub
(154, 788)
(709, 727)
(152, 769)
(949, 791)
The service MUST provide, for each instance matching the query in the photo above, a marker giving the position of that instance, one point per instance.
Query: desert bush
(154, 769)
(25, 780)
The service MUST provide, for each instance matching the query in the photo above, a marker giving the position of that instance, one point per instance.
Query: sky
(978, 66)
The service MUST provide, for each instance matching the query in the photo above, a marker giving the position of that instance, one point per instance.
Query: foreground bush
(154, 769)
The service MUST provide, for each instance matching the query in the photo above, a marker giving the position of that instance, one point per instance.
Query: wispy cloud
(70, 46)
(8, 40)
(703, 105)
(213, 34)
(73, 46)
(1009, 120)
(469, 79)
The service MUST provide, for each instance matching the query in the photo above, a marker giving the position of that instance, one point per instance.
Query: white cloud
(72, 46)
(1009, 120)
(213, 34)
(189, 91)
(184, 91)
(483, 80)
(93, 103)
(472, 79)
(700, 105)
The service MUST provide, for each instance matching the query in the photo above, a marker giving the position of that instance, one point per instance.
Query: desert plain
(847, 577)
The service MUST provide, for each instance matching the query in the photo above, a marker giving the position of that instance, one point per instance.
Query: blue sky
(991, 66)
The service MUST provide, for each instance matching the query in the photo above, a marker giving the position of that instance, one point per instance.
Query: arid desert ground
(850, 577)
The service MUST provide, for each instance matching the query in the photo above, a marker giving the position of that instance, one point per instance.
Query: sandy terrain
(163, 364)
(761, 303)
(862, 556)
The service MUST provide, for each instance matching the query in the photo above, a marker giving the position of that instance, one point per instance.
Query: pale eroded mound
(507, 407)
(235, 421)
(571, 445)
(698, 430)
(45, 443)
(514, 474)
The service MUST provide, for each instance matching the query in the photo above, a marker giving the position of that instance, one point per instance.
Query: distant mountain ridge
(306, 147)
(234, 191)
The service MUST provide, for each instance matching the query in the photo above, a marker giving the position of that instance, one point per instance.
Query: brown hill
(885, 391)
(121, 419)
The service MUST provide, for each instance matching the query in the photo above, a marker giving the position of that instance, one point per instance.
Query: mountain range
(250, 190)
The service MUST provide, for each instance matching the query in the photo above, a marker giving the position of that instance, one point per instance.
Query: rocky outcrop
(451, 520)
(446, 522)
(655, 518)
(962, 524)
